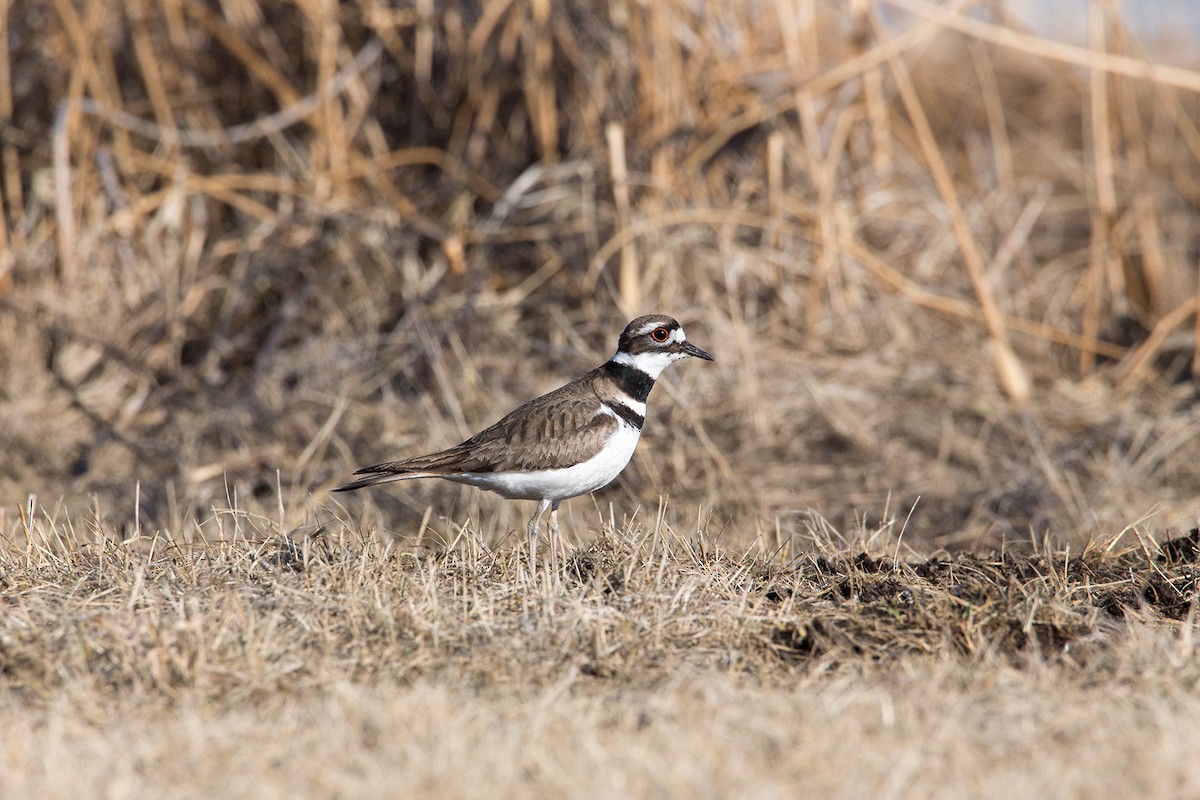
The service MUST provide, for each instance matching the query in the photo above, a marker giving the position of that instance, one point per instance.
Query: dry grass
(656, 665)
(948, 270)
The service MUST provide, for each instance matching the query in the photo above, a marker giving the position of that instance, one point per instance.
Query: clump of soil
(1007, 604)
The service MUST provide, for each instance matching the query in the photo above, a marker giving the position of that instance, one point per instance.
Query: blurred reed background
(947, 264)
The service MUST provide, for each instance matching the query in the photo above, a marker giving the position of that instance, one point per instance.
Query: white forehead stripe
(678, 335)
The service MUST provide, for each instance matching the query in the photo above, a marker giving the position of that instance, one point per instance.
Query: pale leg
(554, 541)
(532, 531)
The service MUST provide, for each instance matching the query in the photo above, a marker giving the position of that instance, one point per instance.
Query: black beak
(692, 350)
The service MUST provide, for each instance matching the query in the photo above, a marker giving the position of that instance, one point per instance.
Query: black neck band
(631, 380)
(626, 413)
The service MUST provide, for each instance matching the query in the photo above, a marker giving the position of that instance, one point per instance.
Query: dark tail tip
(373, 471)
(350, 487)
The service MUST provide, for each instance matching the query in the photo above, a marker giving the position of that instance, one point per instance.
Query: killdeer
(569, 442)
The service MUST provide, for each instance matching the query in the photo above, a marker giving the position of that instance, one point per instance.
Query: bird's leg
(532, 531)
(554, 540)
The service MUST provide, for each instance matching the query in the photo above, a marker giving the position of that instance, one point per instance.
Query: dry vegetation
(931, 517)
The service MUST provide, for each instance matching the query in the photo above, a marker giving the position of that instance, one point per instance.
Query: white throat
(651, 362)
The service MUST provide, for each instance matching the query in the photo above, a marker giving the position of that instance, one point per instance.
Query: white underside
(559, 484)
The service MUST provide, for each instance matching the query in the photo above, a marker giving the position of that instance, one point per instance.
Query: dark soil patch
(1010, 605)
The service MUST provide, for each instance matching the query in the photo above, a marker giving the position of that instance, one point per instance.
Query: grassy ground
(655, 665)
(925, 528)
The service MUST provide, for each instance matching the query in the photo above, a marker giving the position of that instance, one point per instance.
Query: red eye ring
(660, 334)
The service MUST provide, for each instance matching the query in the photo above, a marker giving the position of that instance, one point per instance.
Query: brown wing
(555, 430)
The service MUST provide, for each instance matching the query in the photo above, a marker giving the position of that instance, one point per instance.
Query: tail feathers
(375, 478)
(434, 465)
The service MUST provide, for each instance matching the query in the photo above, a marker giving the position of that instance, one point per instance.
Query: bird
(571, 441)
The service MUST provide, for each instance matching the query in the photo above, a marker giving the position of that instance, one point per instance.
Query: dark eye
(660, 334)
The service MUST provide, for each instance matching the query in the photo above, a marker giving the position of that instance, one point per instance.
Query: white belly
(559, 484)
